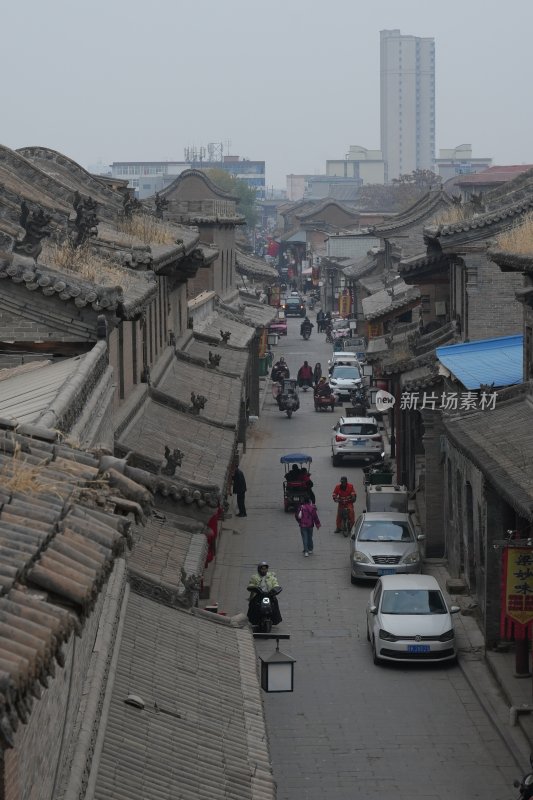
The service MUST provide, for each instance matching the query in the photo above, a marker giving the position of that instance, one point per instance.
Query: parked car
(344, 380)
(356, 437)
(294, 307)
(384, 543)
(343, 358)
(408, 619)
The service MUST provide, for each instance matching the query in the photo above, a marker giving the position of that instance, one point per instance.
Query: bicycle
(345, 522)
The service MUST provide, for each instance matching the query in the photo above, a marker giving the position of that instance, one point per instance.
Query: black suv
(294, 306)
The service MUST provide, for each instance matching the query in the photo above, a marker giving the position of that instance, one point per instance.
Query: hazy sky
(293, 82)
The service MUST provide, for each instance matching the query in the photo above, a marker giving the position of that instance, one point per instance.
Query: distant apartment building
(407, 103)
(360, 164)
(459, 161)
(148, 177)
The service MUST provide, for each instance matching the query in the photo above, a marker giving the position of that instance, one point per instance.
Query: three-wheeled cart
(296, 485)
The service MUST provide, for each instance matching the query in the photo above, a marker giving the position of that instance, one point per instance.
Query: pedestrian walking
(239, 489)
(307, 518)
(320, 321)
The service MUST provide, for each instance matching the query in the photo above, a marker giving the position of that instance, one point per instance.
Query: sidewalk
(490, 674)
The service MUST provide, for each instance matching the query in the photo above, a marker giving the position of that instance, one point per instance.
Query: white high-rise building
(407, 103)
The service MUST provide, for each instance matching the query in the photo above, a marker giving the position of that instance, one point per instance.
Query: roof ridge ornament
(36, 226)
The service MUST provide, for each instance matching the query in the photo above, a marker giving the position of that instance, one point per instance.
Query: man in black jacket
(239, 489)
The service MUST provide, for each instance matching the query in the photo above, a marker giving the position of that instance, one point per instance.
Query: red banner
(517, 590)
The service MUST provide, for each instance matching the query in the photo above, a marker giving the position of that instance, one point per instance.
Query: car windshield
(357, 429)
(350, 373)
(413, 601)
(341, 323)
(385, 531)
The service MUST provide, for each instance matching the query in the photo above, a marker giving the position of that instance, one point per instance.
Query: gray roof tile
(193, 672)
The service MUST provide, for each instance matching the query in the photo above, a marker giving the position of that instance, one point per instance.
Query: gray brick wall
(492, 308)
(42, 744)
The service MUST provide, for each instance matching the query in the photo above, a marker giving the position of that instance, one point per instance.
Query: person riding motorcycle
(323, 388)
(344, 495)
(280, 370)
(265, 581)
(306, 326)
(305, 375)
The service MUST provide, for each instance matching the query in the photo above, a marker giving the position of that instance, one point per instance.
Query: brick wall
(491, 305)
(41, 746)
(433, 493)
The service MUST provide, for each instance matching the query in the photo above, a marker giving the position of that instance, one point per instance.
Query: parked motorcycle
(526, 784)
(380, 471)
(260, 607)
(359, 401)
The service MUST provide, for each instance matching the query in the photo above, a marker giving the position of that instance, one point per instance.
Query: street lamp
(277, 669)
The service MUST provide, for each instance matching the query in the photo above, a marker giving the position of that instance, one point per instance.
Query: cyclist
(344, 495)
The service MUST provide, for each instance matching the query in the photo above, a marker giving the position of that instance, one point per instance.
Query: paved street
(350, 729)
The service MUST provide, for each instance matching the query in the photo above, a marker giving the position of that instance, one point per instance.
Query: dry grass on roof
(148, 229)
(85, 264)
(519, 239)
(453, 215)
(19, 476)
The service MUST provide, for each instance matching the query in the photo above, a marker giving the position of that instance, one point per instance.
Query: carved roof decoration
(234, 361)
(253, 267)
(226, 319)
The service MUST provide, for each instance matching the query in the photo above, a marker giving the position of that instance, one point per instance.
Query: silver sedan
(383, 543)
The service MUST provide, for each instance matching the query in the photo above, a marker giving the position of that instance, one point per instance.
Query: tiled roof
(207, 448)
(24, 397)
(496, 174)
(233, 361)
(358, 267)
(135, 290)
(486, 361)
(307, 214)
(257, 315)
(427, 206)
(60, 537)
(381, 303)
(223, 392)
(200, 731)
(511, 262)
(500, 442)
(168, 551)
(241, 334)
(254, 267)
(420, 377)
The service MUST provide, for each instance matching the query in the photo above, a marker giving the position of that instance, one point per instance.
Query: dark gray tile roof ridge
(321, 205)
(519, 262)
(423, 207)
(70, 287)
(207, 180)
(506, 213)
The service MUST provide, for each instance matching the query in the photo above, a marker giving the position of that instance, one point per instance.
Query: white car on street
(408, 619)
(344, 380)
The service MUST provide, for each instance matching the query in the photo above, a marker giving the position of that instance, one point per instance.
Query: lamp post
(277, 669)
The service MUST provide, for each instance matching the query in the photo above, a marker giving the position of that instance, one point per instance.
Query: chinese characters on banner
(448, 401)
(518, 586)
(345, 303)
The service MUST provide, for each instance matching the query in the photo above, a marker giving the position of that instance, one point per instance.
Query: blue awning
(487, 361)
(295, 458)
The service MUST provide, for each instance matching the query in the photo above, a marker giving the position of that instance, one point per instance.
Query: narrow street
(350, 729)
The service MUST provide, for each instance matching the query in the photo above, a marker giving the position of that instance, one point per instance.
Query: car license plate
(390, 571)
(360, 442)
(418, 648)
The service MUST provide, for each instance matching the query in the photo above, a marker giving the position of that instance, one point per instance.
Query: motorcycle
(280, 372)
(359, 401)
(260, 607)
(311, 303)
(305, 383)
(526, 784)
(287, 399)
(379, 472)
